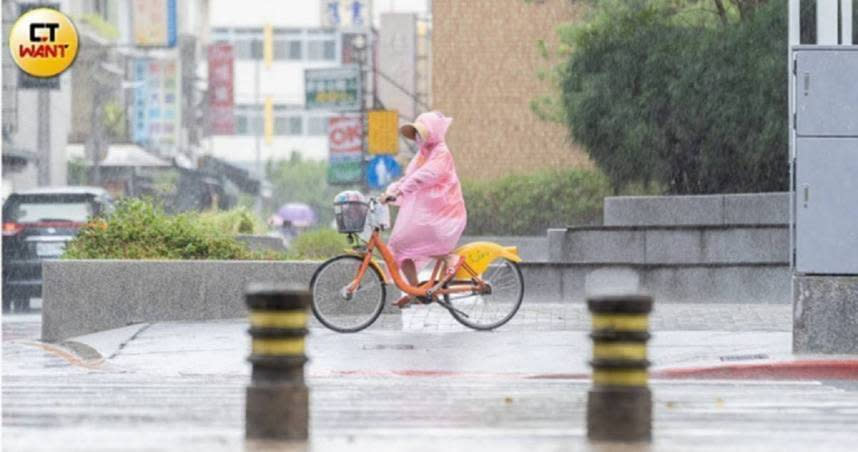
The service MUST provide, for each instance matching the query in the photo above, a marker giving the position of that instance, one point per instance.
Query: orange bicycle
(349, 291)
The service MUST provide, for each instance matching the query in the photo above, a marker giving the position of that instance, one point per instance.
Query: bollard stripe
(619, 350)
(620, 336)
(279, 347)
(621, 322)
(620, 304)
(620, 377)
(278, 319)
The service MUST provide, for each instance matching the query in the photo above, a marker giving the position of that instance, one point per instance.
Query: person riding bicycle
(432, 214)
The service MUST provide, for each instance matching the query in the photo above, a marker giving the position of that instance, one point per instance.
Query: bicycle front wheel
(490, 310)
(336, 309)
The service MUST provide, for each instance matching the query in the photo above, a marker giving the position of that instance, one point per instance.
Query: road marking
(65, 355)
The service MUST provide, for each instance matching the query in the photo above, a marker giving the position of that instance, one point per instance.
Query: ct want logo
(43, 42)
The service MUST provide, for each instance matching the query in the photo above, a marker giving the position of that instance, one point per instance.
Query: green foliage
(138, 229)
(318, 244)
(240, 220)
(77, 172)
(657, 92)
(297, 180)
(530, 204)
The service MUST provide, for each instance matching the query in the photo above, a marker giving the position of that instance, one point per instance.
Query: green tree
(697, 104)
(689, 94)
(299, 180)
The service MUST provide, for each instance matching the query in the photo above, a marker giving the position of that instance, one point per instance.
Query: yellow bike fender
(479, 255)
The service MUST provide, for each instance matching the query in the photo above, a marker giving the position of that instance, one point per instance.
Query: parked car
(37, 225)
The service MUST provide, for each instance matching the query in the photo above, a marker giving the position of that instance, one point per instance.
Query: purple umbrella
(299, 214)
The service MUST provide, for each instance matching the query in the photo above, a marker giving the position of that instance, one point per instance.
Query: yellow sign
(43, 42)
(267, 46)
(383, 132)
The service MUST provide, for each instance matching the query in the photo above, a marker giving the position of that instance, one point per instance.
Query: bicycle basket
(350, 209)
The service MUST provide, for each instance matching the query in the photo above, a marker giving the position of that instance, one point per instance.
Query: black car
(37, 224)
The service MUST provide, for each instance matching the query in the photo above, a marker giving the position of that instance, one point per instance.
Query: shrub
(668, 92)
(530, 204)
(138, 229)
(236, 221)
(317, 245)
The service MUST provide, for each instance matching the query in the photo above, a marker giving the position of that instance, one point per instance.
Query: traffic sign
(381, 171)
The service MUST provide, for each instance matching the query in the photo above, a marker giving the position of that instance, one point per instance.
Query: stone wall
(485, 59)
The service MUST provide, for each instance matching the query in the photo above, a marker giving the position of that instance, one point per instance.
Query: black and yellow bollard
(619, 405)
(277, 404)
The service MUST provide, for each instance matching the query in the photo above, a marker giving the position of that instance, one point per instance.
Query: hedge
(530, 204)
(139, 229)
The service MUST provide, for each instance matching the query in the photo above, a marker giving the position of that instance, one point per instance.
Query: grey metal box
(826, 96)
(826, 205)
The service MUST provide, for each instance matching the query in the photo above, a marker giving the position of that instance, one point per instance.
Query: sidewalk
(180, 386)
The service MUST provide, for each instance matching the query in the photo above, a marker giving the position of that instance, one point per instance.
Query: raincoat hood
(434, 123)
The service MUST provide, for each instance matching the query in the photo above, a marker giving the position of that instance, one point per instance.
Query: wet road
(180, 386)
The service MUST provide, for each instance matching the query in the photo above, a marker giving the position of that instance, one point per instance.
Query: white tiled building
(299, 43)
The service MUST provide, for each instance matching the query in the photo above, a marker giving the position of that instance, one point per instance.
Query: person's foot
(403, 302)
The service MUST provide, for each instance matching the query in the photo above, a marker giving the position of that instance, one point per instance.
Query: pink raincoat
(432, 211)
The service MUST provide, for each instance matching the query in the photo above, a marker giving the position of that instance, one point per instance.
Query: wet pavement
(412, 384)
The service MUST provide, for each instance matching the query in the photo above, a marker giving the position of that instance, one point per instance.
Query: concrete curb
(107, 344)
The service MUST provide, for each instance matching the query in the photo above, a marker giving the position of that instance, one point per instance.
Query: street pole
(363, 122)
(257, 129)
(43, 138)
(96, 135)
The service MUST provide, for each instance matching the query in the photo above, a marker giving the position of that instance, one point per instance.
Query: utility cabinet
(825, 159)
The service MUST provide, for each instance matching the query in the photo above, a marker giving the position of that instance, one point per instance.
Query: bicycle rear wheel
(491, 310)
(333, 308)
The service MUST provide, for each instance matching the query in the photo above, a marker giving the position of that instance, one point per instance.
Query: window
(317, 126)
(241, 124)
(287, 50)
(295, 52)
(322, 50)
(247, 43)
(50, 208)
(330, 50)
(248, 49)
(288, 125)
(296, 125)
(248, 120)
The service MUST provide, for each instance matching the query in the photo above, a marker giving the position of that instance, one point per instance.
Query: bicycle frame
(476, 285)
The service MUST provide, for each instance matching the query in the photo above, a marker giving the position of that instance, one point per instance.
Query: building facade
(33, 150)
(485, 60)
(305, 36)
(299, 42)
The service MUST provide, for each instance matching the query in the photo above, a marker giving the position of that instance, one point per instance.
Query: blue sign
(381, 171)
(171, 23)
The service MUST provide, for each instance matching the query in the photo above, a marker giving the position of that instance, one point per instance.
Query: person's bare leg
(410, 272)
(449, 260)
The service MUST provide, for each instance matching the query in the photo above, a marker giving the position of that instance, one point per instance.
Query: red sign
(221, 101)
(344, 135)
